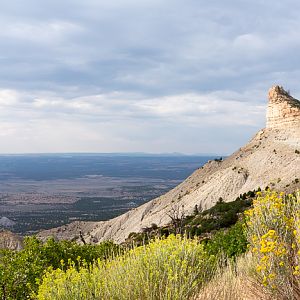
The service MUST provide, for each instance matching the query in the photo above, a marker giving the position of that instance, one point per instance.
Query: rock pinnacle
(283, 110)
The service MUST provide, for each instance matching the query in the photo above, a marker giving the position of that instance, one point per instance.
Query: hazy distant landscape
(44, 191)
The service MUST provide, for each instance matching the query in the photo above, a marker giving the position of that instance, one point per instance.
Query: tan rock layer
(283, 110)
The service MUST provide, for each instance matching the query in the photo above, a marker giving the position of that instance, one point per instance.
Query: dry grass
(235, 282)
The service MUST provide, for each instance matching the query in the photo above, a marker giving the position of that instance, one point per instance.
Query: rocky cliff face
(283, 110)
(271, 158)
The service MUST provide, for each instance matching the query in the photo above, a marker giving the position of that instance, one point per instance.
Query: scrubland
(257, 258)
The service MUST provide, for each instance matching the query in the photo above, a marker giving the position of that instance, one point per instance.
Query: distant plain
(43, 191)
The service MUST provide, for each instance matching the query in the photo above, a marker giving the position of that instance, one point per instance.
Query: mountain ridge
(271, 158)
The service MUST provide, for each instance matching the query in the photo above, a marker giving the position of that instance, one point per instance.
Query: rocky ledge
(283, 110)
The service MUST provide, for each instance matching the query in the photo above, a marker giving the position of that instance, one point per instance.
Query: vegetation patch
(203, 224)
(257, 255)
(20, 271)
(168, 268)
(273, 230)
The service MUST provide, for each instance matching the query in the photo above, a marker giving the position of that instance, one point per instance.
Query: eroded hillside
(271, 158)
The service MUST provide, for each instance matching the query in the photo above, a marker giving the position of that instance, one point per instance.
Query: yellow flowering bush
(273, 231)
(172, 268)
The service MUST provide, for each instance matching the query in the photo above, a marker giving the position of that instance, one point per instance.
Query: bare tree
(81, 237)
(177, 215)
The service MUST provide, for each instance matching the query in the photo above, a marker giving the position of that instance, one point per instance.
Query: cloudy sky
(142, 75)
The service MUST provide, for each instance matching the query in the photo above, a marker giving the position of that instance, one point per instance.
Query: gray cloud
(141, 75)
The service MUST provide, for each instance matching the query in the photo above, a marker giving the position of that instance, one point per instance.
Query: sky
(142, 76)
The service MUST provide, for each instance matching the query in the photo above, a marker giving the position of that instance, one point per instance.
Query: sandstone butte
(271, 158)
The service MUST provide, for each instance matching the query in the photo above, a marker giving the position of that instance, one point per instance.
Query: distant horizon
(114, 154)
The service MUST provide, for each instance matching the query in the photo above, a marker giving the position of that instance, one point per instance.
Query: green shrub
(20, 271)
(232, 242)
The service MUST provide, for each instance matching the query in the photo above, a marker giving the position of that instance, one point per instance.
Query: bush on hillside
(273, 230)
(221, 215)
(172, 268)
(200, 223)
(20, 270)
(230, 242)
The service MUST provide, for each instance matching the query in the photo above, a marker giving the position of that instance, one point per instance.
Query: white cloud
(8, 97)
(120, 121)
(222, 106)
(45, 32)
(7, 130)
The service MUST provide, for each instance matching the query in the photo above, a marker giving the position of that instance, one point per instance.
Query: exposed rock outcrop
(283, 110)
(9, 240)
(271, 158)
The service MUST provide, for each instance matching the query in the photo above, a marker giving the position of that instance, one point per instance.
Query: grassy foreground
(257, 258)
(172, 269)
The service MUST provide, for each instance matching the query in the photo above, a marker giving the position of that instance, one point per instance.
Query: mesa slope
(271, 158)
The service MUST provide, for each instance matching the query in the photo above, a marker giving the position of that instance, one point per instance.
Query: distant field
(44, 191)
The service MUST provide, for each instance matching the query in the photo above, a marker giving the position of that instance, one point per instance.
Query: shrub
(221, 215)
(273, 230)
(231, 242)
(20, 271)
(171, 268)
